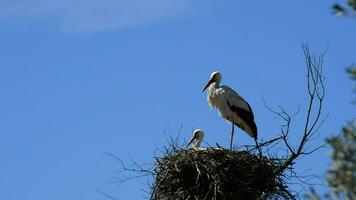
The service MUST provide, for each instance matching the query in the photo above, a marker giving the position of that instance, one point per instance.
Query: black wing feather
(245, 115)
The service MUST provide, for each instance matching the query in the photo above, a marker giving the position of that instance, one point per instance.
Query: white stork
(197, 138)
(231, 106)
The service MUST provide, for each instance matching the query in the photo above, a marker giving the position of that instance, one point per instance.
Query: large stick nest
(216, 174)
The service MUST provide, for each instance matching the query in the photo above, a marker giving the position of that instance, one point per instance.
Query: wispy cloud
(95, 15)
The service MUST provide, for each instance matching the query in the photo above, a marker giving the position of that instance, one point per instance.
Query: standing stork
(231, 106)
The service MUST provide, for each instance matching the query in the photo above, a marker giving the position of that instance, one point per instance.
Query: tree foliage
(341, 175)
(347, 9)
(352, 72)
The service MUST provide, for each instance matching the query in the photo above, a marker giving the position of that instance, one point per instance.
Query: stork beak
(191, 140)
(207, 85)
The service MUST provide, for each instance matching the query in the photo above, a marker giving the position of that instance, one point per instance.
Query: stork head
(215, 77)
(197, 138)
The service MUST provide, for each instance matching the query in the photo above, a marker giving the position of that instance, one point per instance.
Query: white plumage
(231, 106)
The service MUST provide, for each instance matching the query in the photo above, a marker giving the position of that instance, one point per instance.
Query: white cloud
(95, 15)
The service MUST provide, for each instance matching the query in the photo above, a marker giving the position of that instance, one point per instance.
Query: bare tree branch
(316, 93)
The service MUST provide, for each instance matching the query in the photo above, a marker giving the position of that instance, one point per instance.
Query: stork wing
(242, 109)
(247, 117)
(234, 100)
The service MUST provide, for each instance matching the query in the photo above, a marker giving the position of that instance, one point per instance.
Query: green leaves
(342, 173)
(347, 9)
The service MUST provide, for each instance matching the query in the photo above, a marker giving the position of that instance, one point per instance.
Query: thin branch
(106, 195)
(316, 92)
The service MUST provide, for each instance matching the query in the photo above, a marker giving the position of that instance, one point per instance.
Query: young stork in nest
(197, 138)
(231, 106)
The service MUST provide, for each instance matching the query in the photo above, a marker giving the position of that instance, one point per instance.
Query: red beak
(207, 85)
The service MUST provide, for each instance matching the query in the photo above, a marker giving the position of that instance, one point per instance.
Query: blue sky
(80, 78)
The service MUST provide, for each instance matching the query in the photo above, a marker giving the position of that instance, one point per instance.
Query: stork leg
(232, 135)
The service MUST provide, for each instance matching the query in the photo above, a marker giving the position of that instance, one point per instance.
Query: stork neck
(197, 143)
(213, 86)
